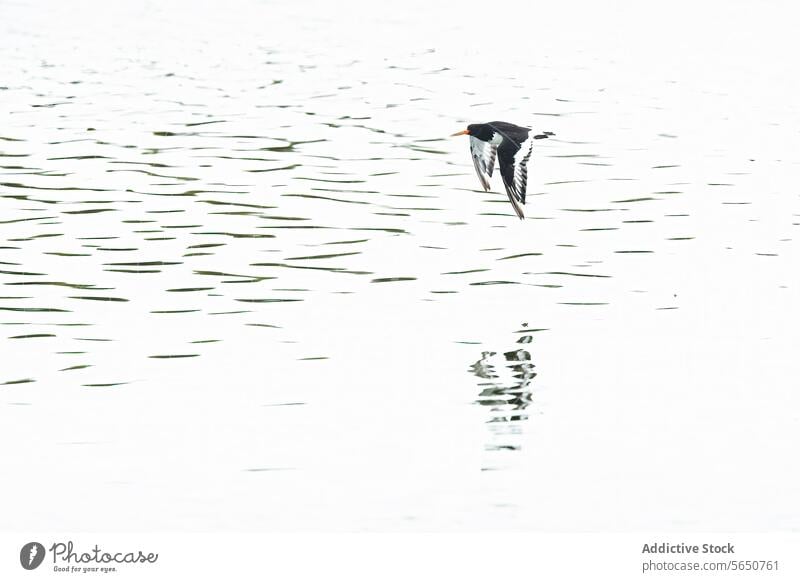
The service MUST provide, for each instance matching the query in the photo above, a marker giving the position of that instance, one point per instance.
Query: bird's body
(511, 145)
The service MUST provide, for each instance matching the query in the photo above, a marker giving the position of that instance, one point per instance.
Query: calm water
(247, 283)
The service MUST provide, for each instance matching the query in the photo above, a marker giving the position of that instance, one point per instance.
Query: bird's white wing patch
(483, 156)
(521, 167)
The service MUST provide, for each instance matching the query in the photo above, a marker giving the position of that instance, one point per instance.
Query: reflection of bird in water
(512, 146)
(505, 390)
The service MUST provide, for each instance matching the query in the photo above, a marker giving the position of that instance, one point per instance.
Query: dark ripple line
(61, 284)
(289, 167)
(65, 188)
(223, 274)
(189, 289)
(90, 211)
(78, 367)
(144, 264)
(464, 272)
(22, 273)
(329, 269)
(496, 283)
(98, 298)
(327, 198)
(520, 256)
(330, 256)
(574, 274)
(36, 309)
(236, 235)
(392, 279)
(268, 300)
(242, 204)
(27, 219)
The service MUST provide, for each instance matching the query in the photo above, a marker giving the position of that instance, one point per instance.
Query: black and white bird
(511, 145)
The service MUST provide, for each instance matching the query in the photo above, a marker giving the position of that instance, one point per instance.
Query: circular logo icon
(31, 555)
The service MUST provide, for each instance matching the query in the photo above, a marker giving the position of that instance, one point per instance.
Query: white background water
(249, 284)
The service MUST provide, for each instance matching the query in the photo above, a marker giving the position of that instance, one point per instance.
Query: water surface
(248, 283)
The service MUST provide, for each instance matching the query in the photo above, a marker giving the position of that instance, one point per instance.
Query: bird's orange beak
(465, 132)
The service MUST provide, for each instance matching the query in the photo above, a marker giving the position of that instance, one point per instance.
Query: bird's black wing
(483, 156)
(513, 159)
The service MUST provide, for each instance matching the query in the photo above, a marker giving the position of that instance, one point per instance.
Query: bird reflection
(505, 391)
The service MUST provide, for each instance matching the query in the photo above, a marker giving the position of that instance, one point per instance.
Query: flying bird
(511, 145)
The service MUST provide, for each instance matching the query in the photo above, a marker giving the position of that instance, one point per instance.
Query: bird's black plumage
(511, 145)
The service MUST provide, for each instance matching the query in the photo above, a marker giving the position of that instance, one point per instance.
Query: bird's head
(482, 131)
(471, 130)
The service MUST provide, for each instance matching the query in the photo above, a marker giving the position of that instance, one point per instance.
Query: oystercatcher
(511, 145)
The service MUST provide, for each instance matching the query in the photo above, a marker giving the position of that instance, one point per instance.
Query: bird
(511, 145)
